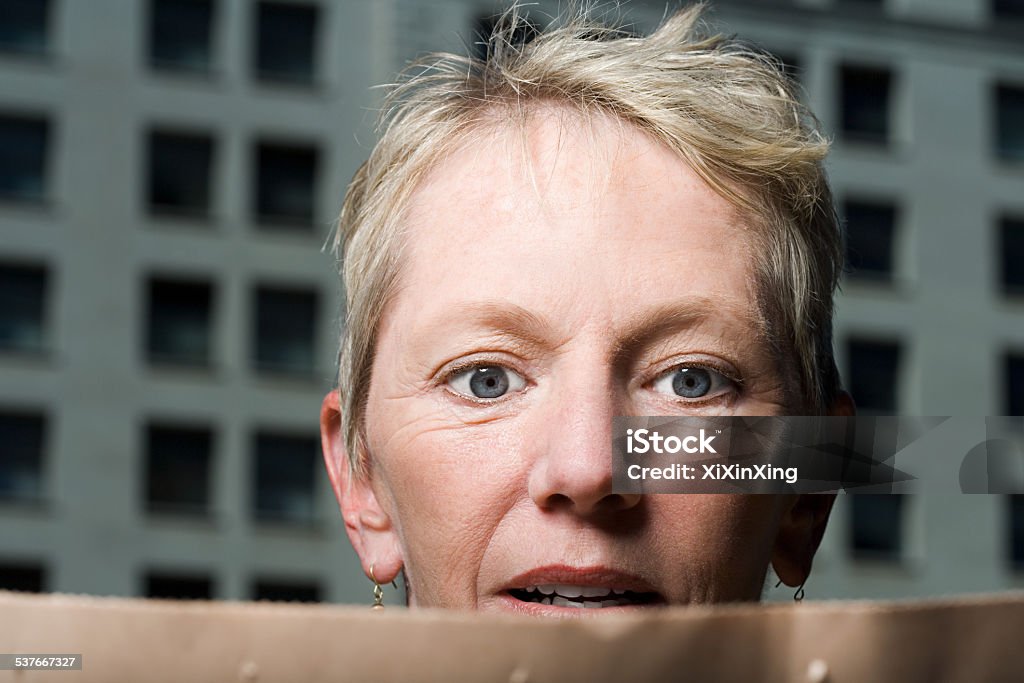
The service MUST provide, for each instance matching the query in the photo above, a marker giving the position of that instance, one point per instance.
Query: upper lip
(596, 576)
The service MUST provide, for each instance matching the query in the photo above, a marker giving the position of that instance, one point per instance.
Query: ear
(369, 528)
(804, 520)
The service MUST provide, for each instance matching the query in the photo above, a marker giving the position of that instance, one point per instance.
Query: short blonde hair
(727, 109)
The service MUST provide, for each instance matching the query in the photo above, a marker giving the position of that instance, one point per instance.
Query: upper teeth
(575, 591)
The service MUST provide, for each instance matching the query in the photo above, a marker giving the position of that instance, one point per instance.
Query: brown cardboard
(978, 638)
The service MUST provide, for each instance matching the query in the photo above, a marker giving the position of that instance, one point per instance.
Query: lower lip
(508, 603)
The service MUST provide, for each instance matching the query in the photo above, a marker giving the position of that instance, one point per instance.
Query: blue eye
(692, 382)
(486, 382)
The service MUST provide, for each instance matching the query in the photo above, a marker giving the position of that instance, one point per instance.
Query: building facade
(169, 174)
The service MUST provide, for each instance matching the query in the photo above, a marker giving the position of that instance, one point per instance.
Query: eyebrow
(503, 317)
(664, 319)
(534, 330)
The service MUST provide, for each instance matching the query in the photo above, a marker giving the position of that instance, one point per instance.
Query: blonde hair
(727, 110)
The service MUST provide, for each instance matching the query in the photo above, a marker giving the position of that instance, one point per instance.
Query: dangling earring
(799, 595)
(378, 592)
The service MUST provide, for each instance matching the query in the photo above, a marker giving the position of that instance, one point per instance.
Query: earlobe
(843, 405)
(800, 532)
(367, 524)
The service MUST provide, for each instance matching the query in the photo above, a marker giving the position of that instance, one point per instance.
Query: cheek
(450, 486)
(718, 545)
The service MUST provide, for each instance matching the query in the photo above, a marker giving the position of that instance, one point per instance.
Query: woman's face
(554, 280)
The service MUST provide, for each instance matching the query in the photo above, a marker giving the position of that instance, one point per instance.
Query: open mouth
(587, 597)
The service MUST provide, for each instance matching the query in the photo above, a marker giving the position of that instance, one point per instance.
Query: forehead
(579, 220)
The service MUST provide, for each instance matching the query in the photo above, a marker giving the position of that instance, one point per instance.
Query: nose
(573, 470)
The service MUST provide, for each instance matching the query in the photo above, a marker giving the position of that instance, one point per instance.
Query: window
(873, 375)
(25, 27)
(865, 104)
(870, 227)
(178, 586)
(859, 4)
(790, 64)
(23, 148)
(22, 307)
(1008, 9)
(286, 330)
(285, 187)
(178, 330)
(285, 471)
(179, 172)
(1016, 527)
(180, 35)
(286, 591)
(178, 461)
(285, 50)
(22, 576)
(484, 27)
(21, 468)
(1014, 399)
(1011, 255)
(876, 526)
(1010, 123)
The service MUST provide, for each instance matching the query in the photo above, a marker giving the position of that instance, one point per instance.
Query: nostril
(620, 501)
(558, 500)
(611, 502)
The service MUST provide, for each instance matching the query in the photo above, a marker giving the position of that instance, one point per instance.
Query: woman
(588, 225)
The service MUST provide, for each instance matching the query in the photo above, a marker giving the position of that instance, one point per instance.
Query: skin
(589, 262)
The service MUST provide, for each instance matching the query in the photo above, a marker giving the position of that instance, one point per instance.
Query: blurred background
(169, 174)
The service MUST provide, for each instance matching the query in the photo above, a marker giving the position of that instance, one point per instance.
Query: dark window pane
(285, 42)
(1008, 9)
(178, 329)
(870, 228)
(873, 375)
(179, 172)
(178, 461)
(790, 64)
(876, 531)
(1010, 123)
(23, 152)
(1014, 384)
(484, 27)
(180, 34)
(1011, 252)
(865, 104)
(286, 591)
(285, 330)
(24, 26)
(22, 307)
(179, 586)
(286, 468)
(1016, 527)
(285, 184)
(21, 463)
(19, 576)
